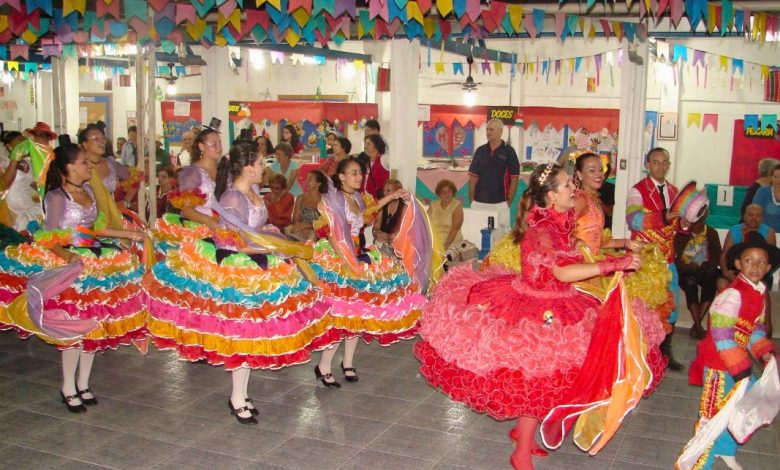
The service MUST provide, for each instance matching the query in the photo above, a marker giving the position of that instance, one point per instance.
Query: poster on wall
(443, 141)
(180, 114)
(746, 153)
(547, 145)
(667, 126)
(94, 108)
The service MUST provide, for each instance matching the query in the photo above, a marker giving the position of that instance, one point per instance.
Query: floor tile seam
(618, 461)
(682, 442)
(387, 453)
(149, 467)
(365, 446)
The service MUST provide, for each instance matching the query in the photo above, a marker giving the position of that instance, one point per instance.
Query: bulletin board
(441, 140)
(179, 115)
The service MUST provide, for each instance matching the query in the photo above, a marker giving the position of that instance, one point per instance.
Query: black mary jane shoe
(349, 378)
(80, 408)
(324, 378)
(235, 411)
(252, 410)
(87, 401)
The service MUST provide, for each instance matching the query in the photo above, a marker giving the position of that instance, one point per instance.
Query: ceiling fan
(469, 84)
(173, 76)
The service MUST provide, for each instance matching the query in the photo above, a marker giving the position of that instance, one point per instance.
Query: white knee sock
(238, 397)
(327, 358)
(246, 387)
(85, 369)
(70, 362)
(350, 346)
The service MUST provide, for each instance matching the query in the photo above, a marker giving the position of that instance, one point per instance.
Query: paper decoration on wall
(383, 79)
(710, 120)
(694, 119)
(441, 140)
(765, 128)
(772, 86)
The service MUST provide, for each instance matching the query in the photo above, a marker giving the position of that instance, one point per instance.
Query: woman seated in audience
(280, 202)
(305, 211)
(697, 255)
(341, 148)
(446, 216)
(753, 222)
(768, 197)
(389, 219)
(286, 166)
(165, 182)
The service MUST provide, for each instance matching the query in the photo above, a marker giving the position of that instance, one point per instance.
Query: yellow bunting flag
(358, 64)
(444, 7)
(3, 23)
(69, 6)
(429, 24)
(276, 4)
(29, 37)
(711, 17)
(439, 66)
(694, 119)
(413, 13)
(498, 68)
(764, 72)
(195, 30)
(259, 2)
(515, 16)
(220, 40)
(299, 15)
(292, 37)
(12, 65)
(724, 63)
(592, 31)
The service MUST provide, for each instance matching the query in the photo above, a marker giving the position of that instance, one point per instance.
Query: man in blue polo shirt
(493, 168)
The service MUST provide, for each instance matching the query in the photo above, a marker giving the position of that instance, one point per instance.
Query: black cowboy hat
(753, 240)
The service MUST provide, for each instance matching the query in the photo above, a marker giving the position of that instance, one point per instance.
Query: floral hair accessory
(546, 173)
(548, 317)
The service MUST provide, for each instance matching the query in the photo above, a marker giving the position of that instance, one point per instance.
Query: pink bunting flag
(15, 4)
(560, 20)
(295, 4)
(185, 12)
(662, 6)
(473, 9)
(157, 5)
(710, 119)
(103, 8)
(19, 50)
(377, 8)
(676, 11)
(597, 61)
(530, 27)
(606, 28)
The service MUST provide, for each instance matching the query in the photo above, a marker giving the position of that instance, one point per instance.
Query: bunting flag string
(226, 22)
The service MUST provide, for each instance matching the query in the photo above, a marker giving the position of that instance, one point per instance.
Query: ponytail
(64, 155)
(223, 177)
(521, 226)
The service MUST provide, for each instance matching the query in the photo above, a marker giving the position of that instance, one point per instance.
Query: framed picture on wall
(667, 126)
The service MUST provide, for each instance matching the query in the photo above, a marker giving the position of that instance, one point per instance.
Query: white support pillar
(215, 98)
(150, 140)
(65, 96)
(633, 95)
(402, 135)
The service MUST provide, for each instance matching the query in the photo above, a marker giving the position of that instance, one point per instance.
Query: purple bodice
(64, 212)
(194, 177)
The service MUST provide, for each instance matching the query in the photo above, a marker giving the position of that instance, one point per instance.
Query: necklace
(80, 187)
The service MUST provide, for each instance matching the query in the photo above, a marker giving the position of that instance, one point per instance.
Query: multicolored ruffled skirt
(170, 231)
(108, 290)
(381, 303)
(235, 310)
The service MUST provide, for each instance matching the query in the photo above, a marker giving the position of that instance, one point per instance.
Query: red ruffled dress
(505, 344)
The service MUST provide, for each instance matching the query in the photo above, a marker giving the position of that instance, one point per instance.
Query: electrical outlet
(623, 164)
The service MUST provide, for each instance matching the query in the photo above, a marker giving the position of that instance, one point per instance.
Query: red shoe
(536, 451)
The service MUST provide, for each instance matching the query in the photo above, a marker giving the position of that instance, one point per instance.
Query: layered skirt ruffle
(380, 303)
(171, 231)
(233, 312)
(108, 291)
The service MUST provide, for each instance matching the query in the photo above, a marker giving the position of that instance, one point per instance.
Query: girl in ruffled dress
(232, 302)
(512, 345)
(85, 294)
(371, 295)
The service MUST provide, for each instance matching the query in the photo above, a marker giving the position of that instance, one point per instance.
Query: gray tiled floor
(158, 412)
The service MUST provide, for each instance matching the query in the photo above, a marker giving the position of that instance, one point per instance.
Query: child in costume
(735, 332)
(235, 303)
(371, 295)
(512, 345)
(89, 297)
